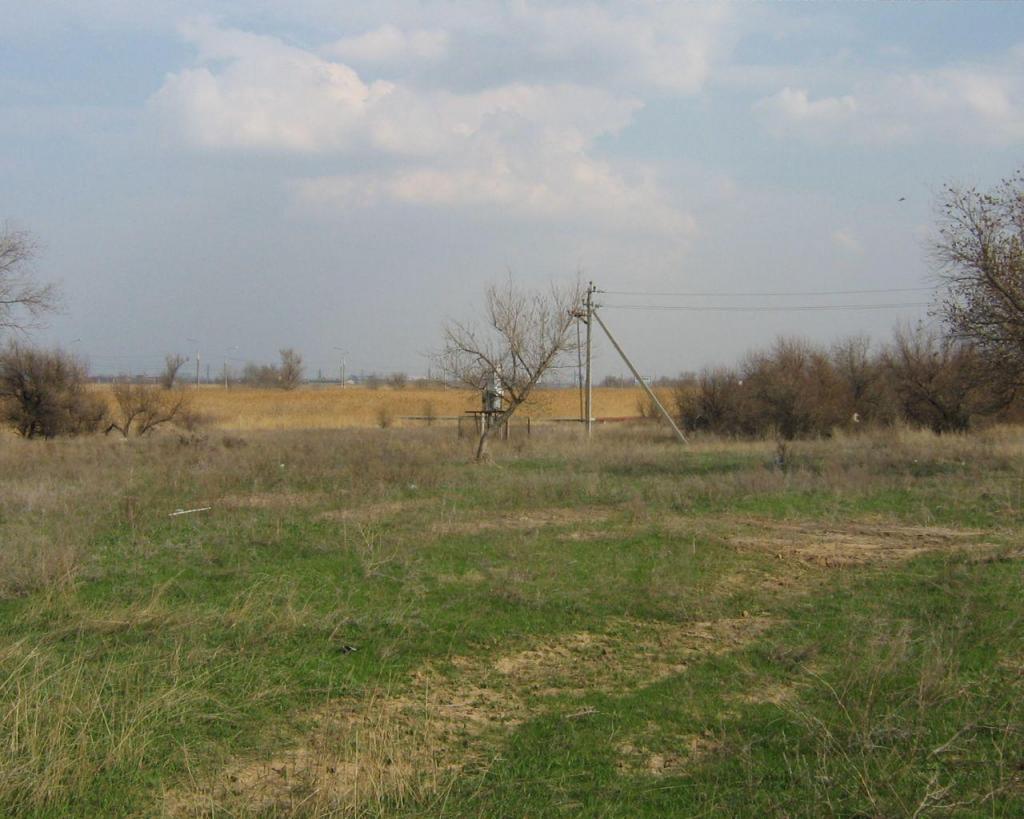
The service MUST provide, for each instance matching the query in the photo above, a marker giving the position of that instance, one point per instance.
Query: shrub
(43, 393)
(940, 382)
(141, 408)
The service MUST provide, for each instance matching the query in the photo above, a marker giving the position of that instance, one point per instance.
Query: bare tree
(938, 380)
(43, 393)
(141, 408)
(526, 335)
(172, 364)
(398, 381)
(291, 370)
(980, 258)
(23, 301)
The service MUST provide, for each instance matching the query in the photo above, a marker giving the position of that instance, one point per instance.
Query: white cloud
(971, 103)
(665, 45)
(559, 185)
(389, 43)
(794, 106)
(524, 147)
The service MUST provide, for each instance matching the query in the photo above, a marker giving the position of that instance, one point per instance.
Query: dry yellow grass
(241, 408)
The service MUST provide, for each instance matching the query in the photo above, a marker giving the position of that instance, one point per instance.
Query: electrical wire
(763, 308)
(770, 293)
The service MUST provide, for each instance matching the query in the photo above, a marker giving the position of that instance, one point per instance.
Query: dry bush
(398, 381)
(713, 403)
(939, 382)
(141, 408)
(867, 394)
(43, 393)
(792, 390)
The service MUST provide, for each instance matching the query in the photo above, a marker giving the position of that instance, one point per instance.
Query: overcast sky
(319, 174)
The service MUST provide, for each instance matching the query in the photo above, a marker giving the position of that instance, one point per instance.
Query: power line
(770, 293)
(765, 308)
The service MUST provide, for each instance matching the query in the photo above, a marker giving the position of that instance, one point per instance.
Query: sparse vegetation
(364, 623)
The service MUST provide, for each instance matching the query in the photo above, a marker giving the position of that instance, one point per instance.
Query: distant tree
(261, 375)
(291, 371)
(939, 381)
(793, 390)
(141, 408)
(172, 365)
(23, 300)
(398, 381)
(980, 258)
(714, 402)
(861, 373)
(43, 393)
(526, 335)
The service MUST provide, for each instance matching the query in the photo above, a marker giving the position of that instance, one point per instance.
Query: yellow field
(240, 408)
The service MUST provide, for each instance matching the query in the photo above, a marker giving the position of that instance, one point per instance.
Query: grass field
(331, 407)
(367, 623)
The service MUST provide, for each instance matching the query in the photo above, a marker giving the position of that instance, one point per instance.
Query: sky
(237, 176)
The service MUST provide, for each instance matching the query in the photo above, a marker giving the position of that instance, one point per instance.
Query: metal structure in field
(588, 315)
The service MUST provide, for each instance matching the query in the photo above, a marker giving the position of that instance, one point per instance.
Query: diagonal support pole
(638, 377)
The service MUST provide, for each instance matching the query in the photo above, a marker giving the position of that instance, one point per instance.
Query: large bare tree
(23, 300)
(525, 335)
(980, 257)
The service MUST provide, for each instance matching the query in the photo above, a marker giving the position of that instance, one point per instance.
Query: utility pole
(196, 342)
(589, 380)
(341, 369)
(638, 377)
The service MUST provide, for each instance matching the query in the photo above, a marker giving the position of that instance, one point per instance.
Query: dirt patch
(631, 653)
(271, 500)
(358, 754)
(396, 746)
(374, 512)
(523, 521)
(671, 757)
(767, 694)
(849, 544)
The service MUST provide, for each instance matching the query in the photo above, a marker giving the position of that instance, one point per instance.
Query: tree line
(969, 368)
(796, 389)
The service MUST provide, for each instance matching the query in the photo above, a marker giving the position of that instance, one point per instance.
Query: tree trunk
(481, 447)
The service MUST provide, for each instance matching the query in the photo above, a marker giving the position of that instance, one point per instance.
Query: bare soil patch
(849, 544)
(271, 500)
(666, 758)
(374, 512)
(525, 521)
(397, 745)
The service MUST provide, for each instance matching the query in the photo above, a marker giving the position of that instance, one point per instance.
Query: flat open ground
(333, 407)
(367, 623)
